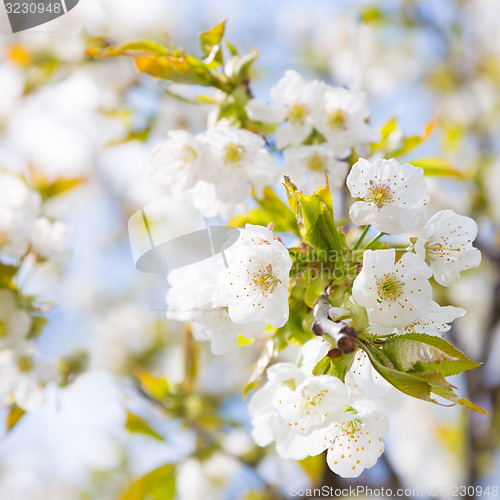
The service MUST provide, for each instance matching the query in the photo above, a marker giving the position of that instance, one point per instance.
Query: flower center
(438, 250)
(317, 162)
(24, 363)
(337, 119)
(266, 280)
(379, 194)
(3, 330)
(352, 427)
(190, 154)
(297, 114)
(233, 153)
(389, 288)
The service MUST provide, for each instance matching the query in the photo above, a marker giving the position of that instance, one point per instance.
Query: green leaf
(314, 214)
(385, 132)
(6, 274)
(271, 209)
(359, 315)
(419, 385)
(421, 352)
(38, 323)
(50, 189)
(15, 414)
(314, 290)
(157, 485)
(137, 425)
(337, 366)
(409, 384)
(156, 387)
(438, 167)
(370, 14)
(244, 64)
(314, 467)
(210, 42)
(135, 47)
(413, 141)
(158, 61)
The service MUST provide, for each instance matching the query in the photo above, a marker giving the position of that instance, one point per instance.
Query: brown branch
(343, 335)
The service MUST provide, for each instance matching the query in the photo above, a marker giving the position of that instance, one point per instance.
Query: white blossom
(205, 199)
(445, 243)
(312, 404)
(50, 239)
(393, 196)
(436, 322)
(356, 444)
(362, 380)
(304, 415)
(207, 479)
(15, 323)
(342, 116)
(295, 101)
(237, 162)
(307, 165)
(190, 299)
(254, 286)
(18, 209)
(395, 293)
(23, 375)
(268, 426)
(176, 162)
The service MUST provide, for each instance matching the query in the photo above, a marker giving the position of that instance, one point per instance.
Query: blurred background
(80, 130)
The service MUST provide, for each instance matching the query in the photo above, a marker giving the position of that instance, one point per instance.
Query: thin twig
(340, 334)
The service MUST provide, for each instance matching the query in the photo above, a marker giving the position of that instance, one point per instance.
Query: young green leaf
(271, 209)
(438, 167)
(420, 352)
(314, 214)
(413, 141)
(210, 42)
(159, 484)
(336, 366)
(137, 425)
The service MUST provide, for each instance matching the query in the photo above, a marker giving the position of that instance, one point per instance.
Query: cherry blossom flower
(435, 322)
(445, 243)
(356, 444)
(176, 162)
(190, 299)
(305, 415)
(254, 286)
(393, 196)
(267, 424)
(362, 380)
(23, 375)
(342, 118)
(50, 239)
(206, 480)
(18, 209)
(295, 101)
(312, 404)
(307, 166)
(237, 162)
(395, 293)
(205, 199)
(15, 323)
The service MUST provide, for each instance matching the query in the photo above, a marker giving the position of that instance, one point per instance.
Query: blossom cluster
(316, 127)
(249, 288)
(239, 296)
(24, 231)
